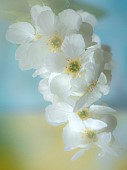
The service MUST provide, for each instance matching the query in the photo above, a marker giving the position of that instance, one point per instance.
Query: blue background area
(18, 90)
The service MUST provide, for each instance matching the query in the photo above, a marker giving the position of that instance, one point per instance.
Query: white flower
(25, 35)
(55, 113)
(85, 134)
(53, 89)
(54, 29)
(73, 61)
(90, 88)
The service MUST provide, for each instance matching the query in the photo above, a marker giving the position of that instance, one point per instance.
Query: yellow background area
(27, 142)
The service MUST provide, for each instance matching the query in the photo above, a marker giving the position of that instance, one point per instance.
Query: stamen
(91, 135)
(92, 86)
(38, 36)
(73, 67)
(55, 43)
(84, 114)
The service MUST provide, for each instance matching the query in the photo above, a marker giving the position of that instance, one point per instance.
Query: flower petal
(76, 123)
(69, 20)
(72, 139)
(104, 138)
(36, 10)
(102, 79)
(80, 153)
(46, 22)
(37, 53)
(57, 114)
(73, 46)
(45, 90)
(20, 33)
(89, 18)
(60, 85)
(94, 124)
(98, 109)
(87, 99)
(55, 62)
(21, 55)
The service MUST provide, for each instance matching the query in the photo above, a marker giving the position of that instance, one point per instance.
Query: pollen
(84, 114)
(55, 43)
(91, 135)
(91, 86)
(73, 67)
(38, 36)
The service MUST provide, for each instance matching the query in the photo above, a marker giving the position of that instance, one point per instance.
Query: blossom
(54, 29)
(74, 58)
(25, 35)
(60, 112)
(53, 89)
(90, 88)
(75, 71)
(85, 134)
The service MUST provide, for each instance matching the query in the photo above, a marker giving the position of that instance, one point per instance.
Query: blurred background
(26, 140)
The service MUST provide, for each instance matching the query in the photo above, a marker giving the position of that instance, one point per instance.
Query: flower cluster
(76, 71)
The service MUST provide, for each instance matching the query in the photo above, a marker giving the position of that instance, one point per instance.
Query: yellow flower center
(55, 43)
(38, 36)
(73, 67)
(91, 135)
(84, 114)
(91, 86)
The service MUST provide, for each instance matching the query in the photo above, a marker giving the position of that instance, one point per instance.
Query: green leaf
(76, 5)
(57, 5)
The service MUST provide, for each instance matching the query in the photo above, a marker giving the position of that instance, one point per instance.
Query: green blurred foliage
(19, 10)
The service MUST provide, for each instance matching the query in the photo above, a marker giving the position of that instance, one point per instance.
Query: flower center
(91, 86)
(91, 136)
(84, 114)
(73, 67)
(55, 43)
(38, 36)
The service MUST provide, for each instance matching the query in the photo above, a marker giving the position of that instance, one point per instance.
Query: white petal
(46, 22)
(87, 31)
(110, 120)
(104, 89)
(45, 90)
(89, 18)
(37, 53)
(61, 85)
(80, 153)
(102, 79)
(87, 99)
(22, 56)
(73, 46)
(72, 139)
(104, 139)
(78, 86)
(69, 20)
(57, 114)
(42, 72)
(36, 10)
(98, 109)
(76, 123)
(55, 62)
(95, 124)
(20, 33)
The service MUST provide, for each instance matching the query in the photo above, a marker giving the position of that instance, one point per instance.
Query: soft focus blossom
(85, 134)
(75, 71)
